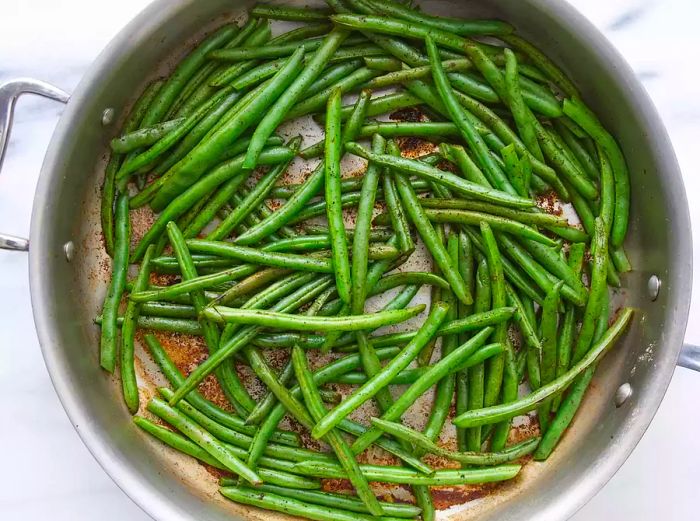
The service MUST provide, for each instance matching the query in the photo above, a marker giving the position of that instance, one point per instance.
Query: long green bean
(506, 411)
(120, 265)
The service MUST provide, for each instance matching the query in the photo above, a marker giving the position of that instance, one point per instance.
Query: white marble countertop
(46, 470)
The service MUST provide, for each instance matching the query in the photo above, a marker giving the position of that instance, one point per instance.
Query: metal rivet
(69, 250)
(622, 394)
(653, 287)
(107, 116)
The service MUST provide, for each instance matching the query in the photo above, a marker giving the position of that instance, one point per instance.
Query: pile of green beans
(519, 293)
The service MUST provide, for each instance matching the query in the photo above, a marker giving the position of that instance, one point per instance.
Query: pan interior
(66, 296)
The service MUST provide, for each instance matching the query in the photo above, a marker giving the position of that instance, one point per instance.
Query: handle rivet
(653, 287)
(69, 250)
(622, 394)
(107, 116)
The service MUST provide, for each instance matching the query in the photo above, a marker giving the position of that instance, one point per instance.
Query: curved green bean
(506, 411)
(120, 266)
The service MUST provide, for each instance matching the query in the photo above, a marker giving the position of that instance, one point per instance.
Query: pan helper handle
(9, 92)
(690, 357)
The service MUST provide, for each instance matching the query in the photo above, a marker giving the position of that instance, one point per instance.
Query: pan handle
(9, 92)
(690, 357)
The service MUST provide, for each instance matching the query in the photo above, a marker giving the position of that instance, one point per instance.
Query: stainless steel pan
(67, 264)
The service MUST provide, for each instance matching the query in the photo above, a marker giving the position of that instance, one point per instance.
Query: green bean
(198, 283)
(410, 277)
(297, 323)
(360, 243)
(130, 388)
(389, 474)
(277, 12)
(112, 167)
(564, 165)
(542, 277)
(468, 458)
(269, 475)
(476, 374)
(188, 170)
(451, 181)
(445, 388)
(331, 75)
(549, 347)
(578, 150)
(227, 377)
(280, 453)
(254, 198)
(185, 200)
(381, 379)
(264, 52)
(462, 355)
(184, 71)
(526, 217)
(470, 83)
(202, 438)
(598, 287)
(222, 196)
(452, 25)
(399, 222)
(223, 75)
(182, 444)
(398, 77)
(577, 111)
(264, 406)
(334, 213)
(212, 265)
(280, 260)
(516, 277)
(148, 156)
(143, 136)
(404, 29)
(502, 412)
(527, 329)
(225, 418)
(500, 372)
(288, 505)
(251, 283)
(167, 309)
(517, 105)
(337, 442)
(471, 172)
(470, 323)
(464, 123)
(347, 83)
(511, 165)
(207, 124)
(551, 261)
(427, 233)
(120, 265)
(499, 223)
(170, 325)
(300, 197)
(357, 51)
(571, 403)
(407, 376)
(565, 346)
(322, 376)
(543, 63)
(289, 96)
(342, 501)
(382, 63)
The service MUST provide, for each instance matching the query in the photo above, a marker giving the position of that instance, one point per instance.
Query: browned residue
(549, 202)
(410, 114)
